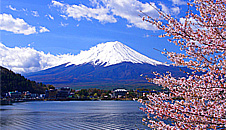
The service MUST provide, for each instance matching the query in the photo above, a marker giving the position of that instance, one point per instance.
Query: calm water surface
(72, 115)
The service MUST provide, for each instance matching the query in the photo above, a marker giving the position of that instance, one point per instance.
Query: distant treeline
(11, 81)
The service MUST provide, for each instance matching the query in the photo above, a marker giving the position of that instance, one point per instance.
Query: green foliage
(11, 81)
(83, 92)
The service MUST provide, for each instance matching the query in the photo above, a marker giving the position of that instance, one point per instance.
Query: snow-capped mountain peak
(111, 53)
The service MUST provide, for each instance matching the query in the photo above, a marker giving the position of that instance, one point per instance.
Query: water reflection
(72, 115)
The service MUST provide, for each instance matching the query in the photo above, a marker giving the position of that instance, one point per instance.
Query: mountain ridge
(111, 63)
(123, 74)
(111, 53)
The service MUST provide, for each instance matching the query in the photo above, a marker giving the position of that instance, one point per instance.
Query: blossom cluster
(197, 101)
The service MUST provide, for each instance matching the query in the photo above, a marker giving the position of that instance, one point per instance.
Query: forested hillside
(11, 81)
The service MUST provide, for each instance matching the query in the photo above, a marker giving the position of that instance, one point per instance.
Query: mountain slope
(106, 64)
(126, 74)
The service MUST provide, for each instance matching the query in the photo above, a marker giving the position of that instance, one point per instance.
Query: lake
(44, 115)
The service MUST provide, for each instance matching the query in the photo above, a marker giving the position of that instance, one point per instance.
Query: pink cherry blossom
(197, 101)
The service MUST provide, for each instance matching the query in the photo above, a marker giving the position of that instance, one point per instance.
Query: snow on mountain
(27, 59)
(111, 53)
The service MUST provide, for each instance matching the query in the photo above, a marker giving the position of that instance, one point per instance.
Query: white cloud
(63, 24)
(81, 11)
(64, 16)
(35, 13)
(24, 9)
(43, 29)
(129, 10)
(150, 35)
(26, 59)
(165, 9)
(17, 25)
(50, 16)
(175, 10)
(172, 10)
(178, 2)
(129, 26)
(106, 11)
(56, 3)
(10, 7)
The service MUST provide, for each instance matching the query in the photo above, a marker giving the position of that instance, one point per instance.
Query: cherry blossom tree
(197, 101)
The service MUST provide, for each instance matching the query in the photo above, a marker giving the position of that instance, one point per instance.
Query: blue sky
(40, 29)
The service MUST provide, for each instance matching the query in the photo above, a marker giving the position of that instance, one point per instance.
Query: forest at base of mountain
(11, 81)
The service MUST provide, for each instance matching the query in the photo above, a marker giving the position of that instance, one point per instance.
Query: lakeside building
(42, 96)
(14, 94)
(63, 93)
(8, 98)
(26, 94)
(119, 93)
(66, 93)
(51, 94)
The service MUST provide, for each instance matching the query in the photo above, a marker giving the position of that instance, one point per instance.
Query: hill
(11, 81)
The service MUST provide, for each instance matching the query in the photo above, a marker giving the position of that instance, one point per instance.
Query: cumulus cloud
(129, 10)
(107, 11)
(26, 59)
(15, 25)
(81, 11)
(178, 2)
(18, 26)
(43, 29)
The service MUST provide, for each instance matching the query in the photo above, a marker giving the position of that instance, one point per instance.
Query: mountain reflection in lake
(72, 115)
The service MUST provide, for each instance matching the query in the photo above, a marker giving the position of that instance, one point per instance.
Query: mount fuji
(110, 64)
(111, 53)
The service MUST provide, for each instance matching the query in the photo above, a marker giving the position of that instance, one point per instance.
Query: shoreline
(10, 102)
